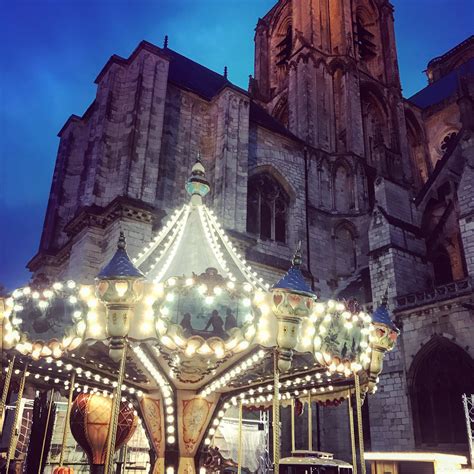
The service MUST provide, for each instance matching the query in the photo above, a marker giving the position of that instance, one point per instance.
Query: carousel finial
(385, 297)
(197, 185)
(297, 260)
(122, 243)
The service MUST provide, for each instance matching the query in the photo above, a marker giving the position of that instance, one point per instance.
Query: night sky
(51, 52)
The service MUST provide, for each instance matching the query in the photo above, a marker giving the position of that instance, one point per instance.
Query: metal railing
(438, 293)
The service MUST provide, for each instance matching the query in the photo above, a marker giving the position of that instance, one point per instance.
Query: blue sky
(52, 50)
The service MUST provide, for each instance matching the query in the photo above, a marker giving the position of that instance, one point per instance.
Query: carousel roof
(120, 266)
(293, 279)
(193, 240)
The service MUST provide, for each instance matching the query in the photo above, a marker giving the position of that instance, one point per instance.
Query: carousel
(184, 356)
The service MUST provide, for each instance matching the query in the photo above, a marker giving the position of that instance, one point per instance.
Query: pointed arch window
(267, 208)
(441, 373)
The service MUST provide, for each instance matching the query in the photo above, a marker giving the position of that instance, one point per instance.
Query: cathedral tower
(327, 69)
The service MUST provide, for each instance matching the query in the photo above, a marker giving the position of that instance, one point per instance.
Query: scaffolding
(468, 402)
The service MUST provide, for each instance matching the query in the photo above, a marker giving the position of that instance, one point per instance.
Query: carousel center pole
(240, 453)
(66, 419)
(109, 460)
(359, 424)
(6, 387)
(276, 415)
(14, 433)
(351, 427)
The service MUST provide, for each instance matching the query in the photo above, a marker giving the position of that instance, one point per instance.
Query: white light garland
(172, 247)
(246, 270)
(15, 304)
(233, 373)
(158, 239)
(166, 391)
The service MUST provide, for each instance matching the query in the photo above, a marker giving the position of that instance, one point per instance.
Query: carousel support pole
(276, 415)
(292, 425)
(351, 426)
(6, 387)
(48, 417)
(240, 453)
(109, 460)
(66, 419)
(310, 423)
(14, 433)
(359, 424)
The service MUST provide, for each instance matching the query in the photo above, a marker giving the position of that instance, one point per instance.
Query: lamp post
(292, 301)
(119, 286)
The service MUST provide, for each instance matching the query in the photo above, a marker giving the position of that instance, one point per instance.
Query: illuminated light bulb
(92, 302)
(319, 308)
(149, 300)
(121, 288)
(26, 290)
(246, 302)
(145, 327)
(171, 281)
(230, 285)
(57, 285)
(218, 290)
(306, 342)
(72, 299)
(71, 284)
(208, 300)
(43, 304)
(207, 441)
(35, 295)
(170, 297)
(48, 293)
(189, 282)
(340, 307)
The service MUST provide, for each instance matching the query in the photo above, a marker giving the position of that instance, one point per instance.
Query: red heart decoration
(277, 299)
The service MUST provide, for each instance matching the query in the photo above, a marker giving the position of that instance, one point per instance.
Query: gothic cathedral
(322, 148)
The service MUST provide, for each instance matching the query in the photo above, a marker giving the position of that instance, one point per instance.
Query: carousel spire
(382, 314)
(197, 185)
(120, 266)
(293, 280)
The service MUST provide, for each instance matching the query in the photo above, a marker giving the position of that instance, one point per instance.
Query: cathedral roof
(443, 88)
(194, 77)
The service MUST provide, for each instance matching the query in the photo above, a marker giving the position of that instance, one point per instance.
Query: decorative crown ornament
(119, 285)
(292, 301)
(384, 338)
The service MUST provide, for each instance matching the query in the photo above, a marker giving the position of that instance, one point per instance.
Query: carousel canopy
(197, 317)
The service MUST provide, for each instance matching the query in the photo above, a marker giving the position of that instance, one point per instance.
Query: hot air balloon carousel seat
(182, 354)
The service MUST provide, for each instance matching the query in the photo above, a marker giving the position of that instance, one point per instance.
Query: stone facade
(378, 188)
